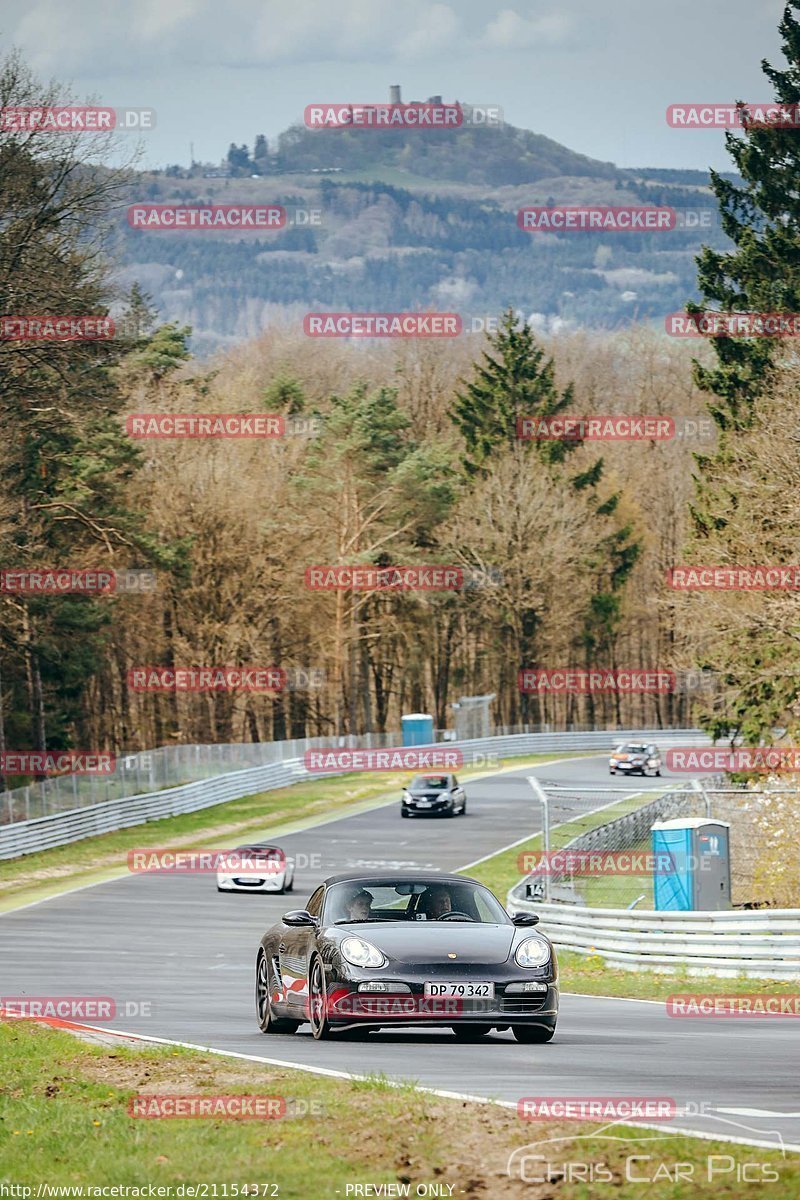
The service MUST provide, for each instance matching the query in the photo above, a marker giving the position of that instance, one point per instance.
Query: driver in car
(359, 906)
(435, 902)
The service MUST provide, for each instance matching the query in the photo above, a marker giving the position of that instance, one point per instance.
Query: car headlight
(533, 952)
(362, 954)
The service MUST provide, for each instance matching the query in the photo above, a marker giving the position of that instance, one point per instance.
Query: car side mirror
(298, 917)
(525, 919)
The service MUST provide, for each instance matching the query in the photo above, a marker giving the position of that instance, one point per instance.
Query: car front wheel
(535, 1034)
(318, 1002)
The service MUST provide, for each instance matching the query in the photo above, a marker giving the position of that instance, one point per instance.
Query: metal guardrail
(73, 824)
(764, 944)
(58, 829)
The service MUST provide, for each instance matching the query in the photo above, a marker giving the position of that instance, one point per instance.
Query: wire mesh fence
(169, 766)
(151, 771)
(597, 845)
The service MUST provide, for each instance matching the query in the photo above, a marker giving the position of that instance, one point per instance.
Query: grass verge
(64, 1121)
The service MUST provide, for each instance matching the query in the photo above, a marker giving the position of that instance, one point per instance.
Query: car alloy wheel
(318, 1002)
(267, 1023)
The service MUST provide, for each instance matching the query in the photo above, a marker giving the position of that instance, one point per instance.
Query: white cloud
(353, 30)
(436, 29)
(510, 31)
(86, 35)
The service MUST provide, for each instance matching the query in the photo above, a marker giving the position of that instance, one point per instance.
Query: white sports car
(256, 868)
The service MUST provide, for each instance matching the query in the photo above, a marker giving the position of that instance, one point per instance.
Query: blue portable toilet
(692, 870)
(417, 729)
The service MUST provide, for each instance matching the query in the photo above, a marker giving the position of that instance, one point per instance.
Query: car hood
(421, 942)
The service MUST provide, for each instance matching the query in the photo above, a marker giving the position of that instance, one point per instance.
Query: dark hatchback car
(410, 949)
(440, 795)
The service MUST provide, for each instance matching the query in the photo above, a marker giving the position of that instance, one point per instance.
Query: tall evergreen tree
(514, 380)
(762, 218)
(517, 380)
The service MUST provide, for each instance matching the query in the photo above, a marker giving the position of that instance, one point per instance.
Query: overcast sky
(596, 77)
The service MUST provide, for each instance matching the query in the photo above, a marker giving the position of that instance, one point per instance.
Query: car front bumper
(408, 1005)
(432, 807)
(253, 883)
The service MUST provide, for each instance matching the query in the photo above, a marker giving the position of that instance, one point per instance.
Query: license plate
(423, 804)
(462, 991)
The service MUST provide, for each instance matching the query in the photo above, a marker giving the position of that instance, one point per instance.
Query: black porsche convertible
(389, 949)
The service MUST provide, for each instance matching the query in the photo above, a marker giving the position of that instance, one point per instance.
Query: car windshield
(432, 783)
(412, 900)
(630, 748)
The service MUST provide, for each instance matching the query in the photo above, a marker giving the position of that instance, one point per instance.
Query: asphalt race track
(173, 942)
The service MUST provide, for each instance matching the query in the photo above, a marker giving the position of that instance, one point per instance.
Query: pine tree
(762, 218)
(515, 380)
(761, 274)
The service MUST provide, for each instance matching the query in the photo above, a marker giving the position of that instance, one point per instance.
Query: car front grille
(522, 1004)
